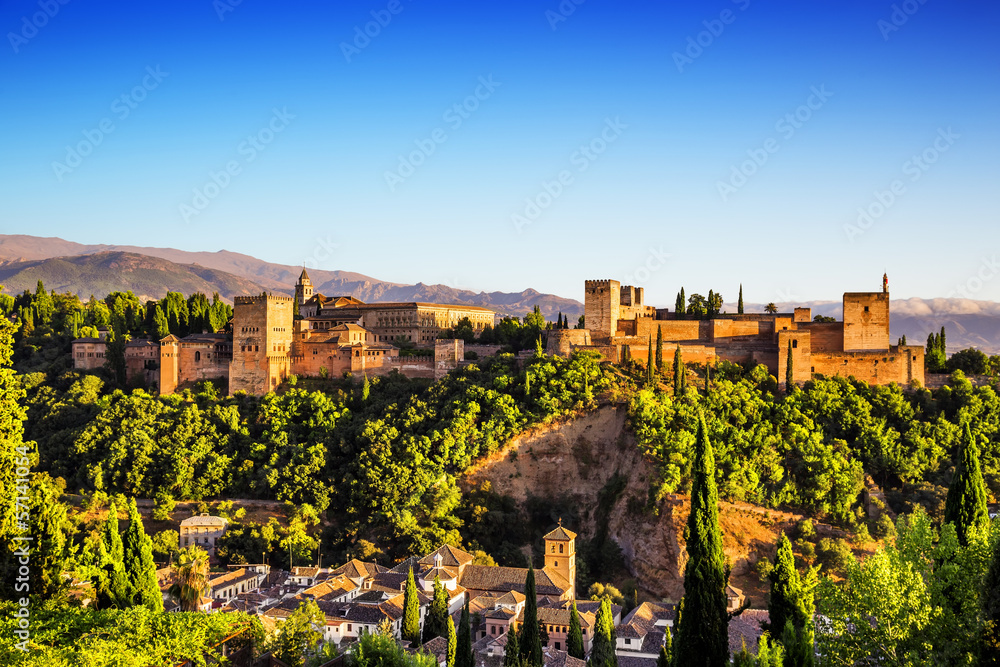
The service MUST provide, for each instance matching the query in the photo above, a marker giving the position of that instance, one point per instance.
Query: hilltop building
(857, 346)
(311, 335)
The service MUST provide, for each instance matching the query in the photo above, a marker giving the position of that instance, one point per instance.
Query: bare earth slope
(580, 455)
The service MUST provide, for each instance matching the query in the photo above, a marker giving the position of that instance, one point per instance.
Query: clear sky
(701, 144)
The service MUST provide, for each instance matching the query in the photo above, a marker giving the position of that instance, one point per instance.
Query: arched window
(560, 548)
(197, 356)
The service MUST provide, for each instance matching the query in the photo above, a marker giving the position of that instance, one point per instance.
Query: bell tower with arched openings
(560, 555)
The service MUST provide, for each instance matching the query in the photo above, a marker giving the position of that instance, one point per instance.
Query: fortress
(312, 335)
(858, 346)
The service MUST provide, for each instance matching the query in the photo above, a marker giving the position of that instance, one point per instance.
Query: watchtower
(866, 321)
(262, 342)
(560, 555)
(303, 289)
(602, 307)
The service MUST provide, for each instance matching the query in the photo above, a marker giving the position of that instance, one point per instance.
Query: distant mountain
(17, 250)
(105, 272)
(967, 323)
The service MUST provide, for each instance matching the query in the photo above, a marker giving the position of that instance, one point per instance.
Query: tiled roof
(331, 588)
(305, 571)
(747, 627)
(554, 658)
(560, 616)
(201, 520)
(635, 661)
(643, 618)
(450, 557)
(502, 614)
(511, 598)
(357, 569)
(231, 578)
(438, 647)
(502, 579)
(560, 534)
(390, 579)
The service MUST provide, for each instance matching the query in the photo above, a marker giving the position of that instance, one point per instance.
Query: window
(348, 627)
(795, 344)
(866, 309)
(553, 548)
(197, 356)
(556, 564)
(560, 548)
(558, 647)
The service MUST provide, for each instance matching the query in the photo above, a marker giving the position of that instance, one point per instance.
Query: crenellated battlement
(598, 284)
(260, 298)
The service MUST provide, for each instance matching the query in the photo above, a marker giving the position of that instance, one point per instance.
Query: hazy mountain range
(151, 272)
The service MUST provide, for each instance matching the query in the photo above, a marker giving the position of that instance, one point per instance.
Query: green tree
(512, 650)
(190, 577)
(789, 373)
(680, 305)
(13, 451)
(739, 304)
(602, 653)
(989, 651)
(51, 531)
(771, 308)
(574, 641)
(659, 349)
(680, 372)
(366, 389)
(703, 630)
(463, 650)
(140, 570)
(115, 351)
(792, 603)
(530, 639)
(649, 362)
(300, 635)
(435, 621)
(112, 583)
(162, 329)
(411, 611)
(43, 304)
(965, 505)
(452, 643)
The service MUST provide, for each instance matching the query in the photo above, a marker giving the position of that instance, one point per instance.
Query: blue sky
(701, 144)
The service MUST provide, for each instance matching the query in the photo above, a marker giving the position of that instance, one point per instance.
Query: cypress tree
(965, 505)
(463, 650)
(530, 640)
(366, 389)
(574, 641)
(679, 372)
(789, 374)
(140, 570)
(703, 629)
(708, 376)
(602, 654)
(436, 621)
(739, 305)
(649, 363)
(411, 611)
(679, 305)
(792, 606)
(989, 653)
(160, 322)
(512, 651)
(12, 416)
(112, 587)
(659, 349)
(452, 643)
(667, 650)
(943, 343)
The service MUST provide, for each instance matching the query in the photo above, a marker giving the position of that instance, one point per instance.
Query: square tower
(866, 321)
(560, 555)
(602, 307)
(262, 342)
